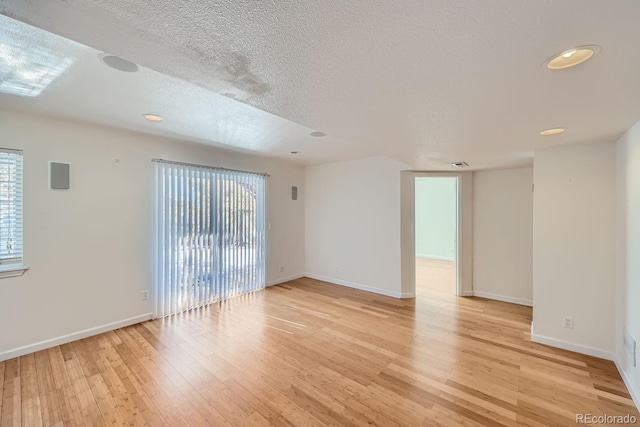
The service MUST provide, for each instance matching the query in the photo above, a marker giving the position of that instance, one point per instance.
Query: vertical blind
(210, 235)
(10, 206)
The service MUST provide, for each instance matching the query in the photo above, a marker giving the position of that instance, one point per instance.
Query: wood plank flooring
(310, 353)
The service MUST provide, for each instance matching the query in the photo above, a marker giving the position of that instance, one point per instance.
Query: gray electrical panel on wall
(59, 176)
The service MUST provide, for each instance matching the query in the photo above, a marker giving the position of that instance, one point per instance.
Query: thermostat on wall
(59, 176)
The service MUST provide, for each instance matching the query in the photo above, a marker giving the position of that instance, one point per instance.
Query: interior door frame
(464, 224)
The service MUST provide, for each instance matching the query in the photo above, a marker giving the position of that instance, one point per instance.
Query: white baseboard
(466, 293)
(566, 345)
(443, 258)
(32, 348)
(504, 298)
(284, 279)
(361, 287)
(635, 394)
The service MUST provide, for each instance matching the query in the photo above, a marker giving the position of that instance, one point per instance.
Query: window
(10, 208)
(210, 235)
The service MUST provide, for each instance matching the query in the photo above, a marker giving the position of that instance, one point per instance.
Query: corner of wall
(627, 249)
(632, 386)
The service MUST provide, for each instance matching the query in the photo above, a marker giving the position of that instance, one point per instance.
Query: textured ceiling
(425, 82)
(79, 86)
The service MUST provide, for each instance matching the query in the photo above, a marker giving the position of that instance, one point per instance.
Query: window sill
(12, 271)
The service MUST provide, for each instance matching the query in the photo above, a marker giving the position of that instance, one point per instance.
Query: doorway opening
(436, 235)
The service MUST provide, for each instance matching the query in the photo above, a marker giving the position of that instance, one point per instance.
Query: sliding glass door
(210, 235)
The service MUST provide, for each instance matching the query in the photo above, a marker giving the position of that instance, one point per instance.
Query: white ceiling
(424, 82)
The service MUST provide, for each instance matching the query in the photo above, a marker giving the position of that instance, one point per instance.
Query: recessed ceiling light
(318, 134)
(552, 131)
(118, 63)
(294, 152)
(572, 57)
(153, 118)
(459, 164)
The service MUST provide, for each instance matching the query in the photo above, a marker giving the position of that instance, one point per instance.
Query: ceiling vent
(459, 164)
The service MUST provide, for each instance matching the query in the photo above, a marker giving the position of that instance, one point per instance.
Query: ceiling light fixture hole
(318, 134)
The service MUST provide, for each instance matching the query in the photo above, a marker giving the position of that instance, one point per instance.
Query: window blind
(210, 235)
(10, 206)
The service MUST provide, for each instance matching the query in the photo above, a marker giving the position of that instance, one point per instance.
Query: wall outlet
(145, 295)
(629, 345)
(567, 322)
(281, 269)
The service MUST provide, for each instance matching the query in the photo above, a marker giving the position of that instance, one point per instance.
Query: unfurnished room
(319, 213)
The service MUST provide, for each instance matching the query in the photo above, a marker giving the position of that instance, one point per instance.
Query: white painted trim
(635, 394)
(505, 298)
(12, 271)
(284, 279)
(443, 258)
(578, 348)
(31, 348)
(360, 286)
(466, 294)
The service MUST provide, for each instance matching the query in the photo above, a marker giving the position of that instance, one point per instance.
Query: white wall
(503, 235)
(436, 218)
(574, 266)
(352, 223)
(89, 249)
(628, 268)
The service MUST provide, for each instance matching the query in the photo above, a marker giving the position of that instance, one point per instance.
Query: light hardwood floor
(309, 353)
(435, 276)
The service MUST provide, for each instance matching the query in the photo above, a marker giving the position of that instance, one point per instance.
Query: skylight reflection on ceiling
(27, 66)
